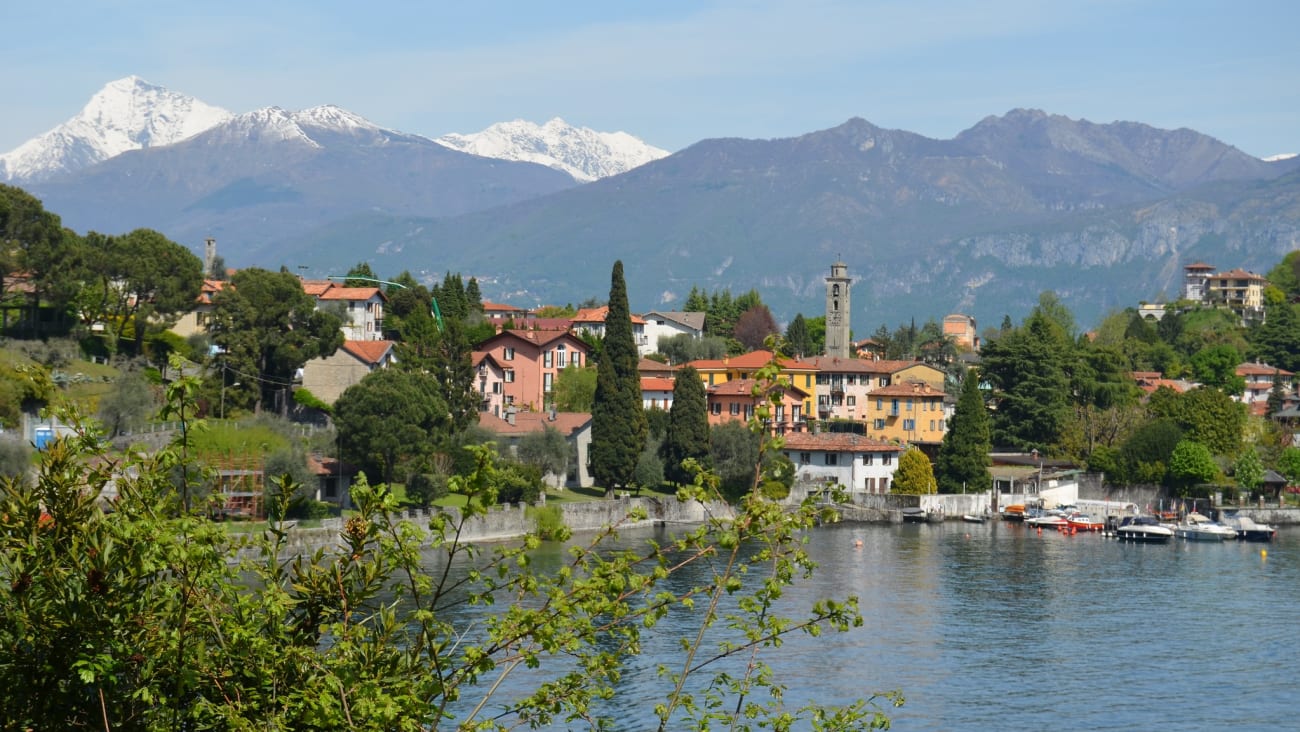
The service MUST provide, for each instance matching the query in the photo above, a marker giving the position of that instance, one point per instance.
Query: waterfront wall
(511, 521)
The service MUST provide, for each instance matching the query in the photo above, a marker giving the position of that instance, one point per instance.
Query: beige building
(575, 426)
(327, 378)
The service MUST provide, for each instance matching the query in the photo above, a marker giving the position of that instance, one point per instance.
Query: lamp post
(223, 391)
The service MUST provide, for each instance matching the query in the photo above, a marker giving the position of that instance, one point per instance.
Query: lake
(996, 626)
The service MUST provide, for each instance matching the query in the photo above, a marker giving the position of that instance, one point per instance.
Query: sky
(674, 72)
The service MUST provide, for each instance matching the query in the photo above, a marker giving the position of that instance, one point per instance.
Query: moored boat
(1198, 527)
(1014, 512)
(914, 515)
(1248, 530)
(1146, 529)
(1084, 522)
(974, 518)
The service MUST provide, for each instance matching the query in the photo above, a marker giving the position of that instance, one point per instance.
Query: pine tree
(798, 337)
(687, 435)
(618, 424)
(452, 364)
(963, 459)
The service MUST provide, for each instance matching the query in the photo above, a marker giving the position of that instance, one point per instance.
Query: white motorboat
(1198, 527)
(1248, 530)
(1143, 529)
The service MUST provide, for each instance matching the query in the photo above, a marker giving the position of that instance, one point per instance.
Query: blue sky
(675, 72)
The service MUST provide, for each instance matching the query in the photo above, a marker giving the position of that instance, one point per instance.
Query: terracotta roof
(1236, 274)
(208, 290)
(1261, 369)
(371, 352)
(1199, 265)
(649, 366)
(321, 465)
(751, 361)
(478, 357)
(351, 293)
(531, 323)
(910, 388)
(598, 315)
(745, 387)
(316, 288)
(527, 422)
(1146, 375)
(656, 383)
(1178, 385)
(837, 442)
(496, 307)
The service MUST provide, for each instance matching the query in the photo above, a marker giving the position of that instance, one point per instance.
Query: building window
(805, 457)
(851, 401)
(749, 412)
(909, 404)
(884, 485)
(780, 412)
(548, 360)
(508, 354)
(886, 459)
(942, 427)
(560, 356)
(868, 459)
(716, 407)
(879, 424)
(880, 404)
(870, 485)
(893, 407)
(576, 360)
(795, 412)
(509, 377)
(909, 425)
(932, 425)
(884, 381)
(832, 459)
(547, 381)
(735, 408)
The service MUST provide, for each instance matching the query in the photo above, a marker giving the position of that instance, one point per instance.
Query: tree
(1191, 463)
(268, 328)
(1026, 367)
(389, 418)
(734, 452)
(128, 405)
(754, 326)
(683, 347)
(1216, 367)
(546, 450)
(1277, 341)
(452, 366)
(963, 460)
(1249, 470)
(1207, 416)
(687, 436)
(574, 389)
(797, 337)
(15, 456)
(1144, 456)
(1288, 464)
(649, 472)
(914, 475)
(361, 275)
(34, 243)
(618, 426)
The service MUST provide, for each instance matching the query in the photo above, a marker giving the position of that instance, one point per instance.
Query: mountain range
(1103, 214)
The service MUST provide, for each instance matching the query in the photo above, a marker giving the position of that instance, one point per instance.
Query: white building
(860, 464)
(665, 324)
(361, 308)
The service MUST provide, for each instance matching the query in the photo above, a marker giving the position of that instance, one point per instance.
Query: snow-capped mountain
(127, 114)
(1279, 157)
(581, 152)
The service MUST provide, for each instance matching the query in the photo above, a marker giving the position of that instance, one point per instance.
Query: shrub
(550, 523)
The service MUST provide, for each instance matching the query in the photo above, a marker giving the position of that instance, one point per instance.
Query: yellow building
(909, 412)
(801, 374)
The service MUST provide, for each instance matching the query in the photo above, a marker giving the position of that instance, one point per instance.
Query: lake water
(996, 626)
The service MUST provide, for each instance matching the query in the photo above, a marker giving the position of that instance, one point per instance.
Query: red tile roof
(745, 387)
(837, 442)
(371, 352)
(316, 287)
(350, 293)
(753, 360)
(598, 315)
(1261, 369)
(1199, 265)
(527, 422)
(656, 383)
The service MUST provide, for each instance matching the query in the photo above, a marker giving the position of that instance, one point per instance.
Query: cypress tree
(798, 337)
(618, 424)
(964, 455)
(687, 435)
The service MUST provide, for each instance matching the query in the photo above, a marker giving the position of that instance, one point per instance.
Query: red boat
(1084, 522)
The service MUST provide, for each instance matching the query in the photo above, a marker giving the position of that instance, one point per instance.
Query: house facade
(665, 324)
(327, 378)
(801, 373)
(656, 393)
(575, 426)
(361, 309)
(490, 382)
(592, 321)
(842, 386)
(961, 329)
(530, 361)
(734, 401)
(1240, 291)
(197, 320)
(861, 464)
(909, 412)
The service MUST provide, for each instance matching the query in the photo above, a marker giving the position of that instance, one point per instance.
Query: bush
(519, 484)
(550, 523)
(15, 455)
(423, 489)
(310, 508)
(304, 398)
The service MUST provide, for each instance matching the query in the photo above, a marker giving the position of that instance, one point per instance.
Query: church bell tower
(837, 311)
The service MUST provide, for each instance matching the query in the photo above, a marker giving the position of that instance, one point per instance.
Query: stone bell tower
(837, 311)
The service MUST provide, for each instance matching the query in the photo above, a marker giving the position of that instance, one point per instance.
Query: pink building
(530, 361)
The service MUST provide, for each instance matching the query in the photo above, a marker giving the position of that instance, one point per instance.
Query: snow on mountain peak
(1279, 157)
(127, 114)
(333, 117)
(581, 152)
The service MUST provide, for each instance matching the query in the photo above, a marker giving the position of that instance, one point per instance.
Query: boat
(914, 515)
(1051, 519)
(1014, 512)
(1143, 529)
(974, 518)
(1078, 521)
(1198, 527)
(1248, 530)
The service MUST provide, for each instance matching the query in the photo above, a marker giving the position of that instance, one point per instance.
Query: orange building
(910, 412)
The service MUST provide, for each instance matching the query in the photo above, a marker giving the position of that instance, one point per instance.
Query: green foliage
(139, 618)
(963, 461)
(649, 472)
(734, 451)
(754, 326)
(425, 488)
(1249, 470)
(618, 424)
(1191, 463)
(574, 389)
(1144, 456)
(682, 348)
(546, 450)
(1027, 368)
(128, 405)
(687, 433)
(1277, 341)
(550, 523)
(388, 419)
(1216, 367)
(798, 338)
(914, 475)
(519, 483)
(1288, 464)
(1207, 416)
(15, 456)
(363, 274)
(304, 398)
(656, 421)
(1285, 275)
